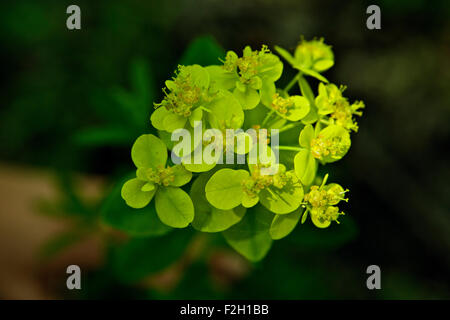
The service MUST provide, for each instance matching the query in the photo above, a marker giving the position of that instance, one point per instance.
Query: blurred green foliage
(141, 257)
(134, 222)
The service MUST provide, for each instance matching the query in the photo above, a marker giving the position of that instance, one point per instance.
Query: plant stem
(269, 114)
(288, 148)
(324, 181)
(206, 109)
(291, 84)
(289, 126)
(274, 121)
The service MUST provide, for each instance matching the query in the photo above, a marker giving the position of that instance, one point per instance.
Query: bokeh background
(72, 103)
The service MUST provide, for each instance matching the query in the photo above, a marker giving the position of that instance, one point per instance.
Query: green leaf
(305, 167)
(158, 116)
(198, 75)
(305, 216)
(300, 110)
(340, 137)
(248, 99)
(149, 151)
(196, 115)
(285, 200)
(224, 189)
(318, 223)
(255, 83)
(278, 123)
(306, 89)
(306, 136)
(135, 222)
(203, 167)
(174, 207)
(207, 218)
(337, 190)
(141, 257)
(312, 73)
(204, 51)
(311, 117)
(267, 91)
(173, 122)
(323, 64)
(221, 79)
(225, 109)
(324, 103)
(181, 175)
(134, 196)
(248, 201)
(271, 68)
(251, 237)
(286, 55)
(283, 224)
(149, 186)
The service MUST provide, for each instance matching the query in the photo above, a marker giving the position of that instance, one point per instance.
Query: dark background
(61, 98)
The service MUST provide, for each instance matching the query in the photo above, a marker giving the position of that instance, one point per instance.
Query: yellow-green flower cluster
(282, 105)
(330, 102)
(310, 57)
(249, 77)
(330, 144)
(314, 55)
(257, 182)
(262, 201)
(184, 93)
(159, 175)
(248, 65)
(321, 203)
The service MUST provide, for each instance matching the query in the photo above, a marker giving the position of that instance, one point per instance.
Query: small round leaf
(134, 196)
(224, 189)
(149, 151)
(174, 207)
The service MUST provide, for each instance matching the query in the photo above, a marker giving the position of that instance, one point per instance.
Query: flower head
(310, 57)
(321, 202)
(187, 89)
(185, 95)
(249, 76)
(314, 55)
(331, 102)
(257, 181)
(330, 144)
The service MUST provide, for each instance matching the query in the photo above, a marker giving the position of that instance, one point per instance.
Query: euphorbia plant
(252, 203)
